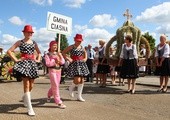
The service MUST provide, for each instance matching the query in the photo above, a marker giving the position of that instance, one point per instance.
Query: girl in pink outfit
(53, 61)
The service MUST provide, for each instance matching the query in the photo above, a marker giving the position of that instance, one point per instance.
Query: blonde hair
(164, 36)
(102, 42)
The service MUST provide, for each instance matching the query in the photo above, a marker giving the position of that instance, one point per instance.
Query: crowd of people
(83, 63)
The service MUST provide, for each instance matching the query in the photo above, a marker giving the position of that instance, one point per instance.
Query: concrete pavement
(107, 103)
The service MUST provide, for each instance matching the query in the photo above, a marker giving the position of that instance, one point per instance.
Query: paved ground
(110, 103)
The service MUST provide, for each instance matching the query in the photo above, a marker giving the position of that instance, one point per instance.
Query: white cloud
(103, 20)
(43, 2)
(78, 28)
(153, 34)
(92, 36)
(41, 36)
(8, 39)
(96, 33)
(16, 20)
(74, 3)
(163, 29)
(157, 14)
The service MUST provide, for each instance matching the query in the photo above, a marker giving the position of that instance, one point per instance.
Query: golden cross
(127, 14)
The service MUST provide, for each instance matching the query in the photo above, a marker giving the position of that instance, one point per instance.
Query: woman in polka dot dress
(26, 67)
(77, 67)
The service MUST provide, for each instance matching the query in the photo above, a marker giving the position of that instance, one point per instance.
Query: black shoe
(128, 91)
(91, 80)
(87, 80)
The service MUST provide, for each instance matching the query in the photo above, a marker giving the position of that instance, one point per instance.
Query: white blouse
(144, 51)
(166, 51)
(127, 48)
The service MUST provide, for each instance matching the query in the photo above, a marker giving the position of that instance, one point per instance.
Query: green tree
(151, 40)
(63, 41)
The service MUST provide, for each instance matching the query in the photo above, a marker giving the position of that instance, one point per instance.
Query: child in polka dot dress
(26, 66)
(77, 67)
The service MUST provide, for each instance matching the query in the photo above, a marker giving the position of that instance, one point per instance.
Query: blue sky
(95, 19)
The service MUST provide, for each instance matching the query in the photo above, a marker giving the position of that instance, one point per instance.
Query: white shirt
(144, 51)
(166, 51)
(128, 48)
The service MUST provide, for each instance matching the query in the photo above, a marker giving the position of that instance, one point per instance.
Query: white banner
(59, 23)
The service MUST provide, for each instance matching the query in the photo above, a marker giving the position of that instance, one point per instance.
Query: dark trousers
(148, 68)
(89, 63)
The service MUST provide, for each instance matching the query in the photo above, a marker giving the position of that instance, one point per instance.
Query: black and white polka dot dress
(27, 67)
(78, 67)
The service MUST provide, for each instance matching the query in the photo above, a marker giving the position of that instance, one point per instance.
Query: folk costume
(26, 67)
(77, 68)
(103, 68)
(163, 52)
(129, 68)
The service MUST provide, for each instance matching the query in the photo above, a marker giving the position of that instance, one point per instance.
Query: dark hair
(129, 38)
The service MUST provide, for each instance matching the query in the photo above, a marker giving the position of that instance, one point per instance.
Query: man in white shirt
(89, 62)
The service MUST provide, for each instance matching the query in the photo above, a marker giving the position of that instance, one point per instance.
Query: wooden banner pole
(59, 36)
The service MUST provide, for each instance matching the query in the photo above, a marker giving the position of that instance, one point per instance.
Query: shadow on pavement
(8, 108)
(112, 90)
(98, 90)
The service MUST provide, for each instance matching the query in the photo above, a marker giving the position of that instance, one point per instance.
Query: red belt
(75, 58)
(27, 56)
